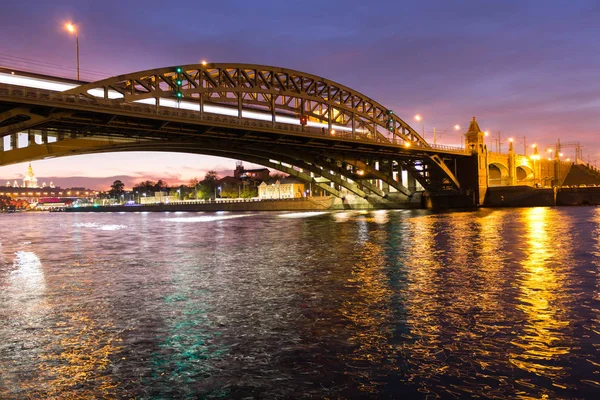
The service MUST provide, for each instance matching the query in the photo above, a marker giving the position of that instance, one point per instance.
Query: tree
(160, 186)
(194, 183)
(209, 183)
(4, 202)
(145, 187)
(116, 189)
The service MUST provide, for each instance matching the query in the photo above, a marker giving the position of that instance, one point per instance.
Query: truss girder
(319, 166)
(30, 120)
(430, 172)
(338, 169)
(264, 89)
(369, 170)
(300, 161)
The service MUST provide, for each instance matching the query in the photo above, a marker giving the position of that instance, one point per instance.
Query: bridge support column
(411, 182)
(13, 140)
(512, 165)
(387, 168)
(30, 138)
(1, 143)
(45, 136)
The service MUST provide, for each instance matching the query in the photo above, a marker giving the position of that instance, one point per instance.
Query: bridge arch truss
(317, 126)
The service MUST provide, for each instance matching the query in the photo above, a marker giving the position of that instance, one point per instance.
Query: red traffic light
(303, 119)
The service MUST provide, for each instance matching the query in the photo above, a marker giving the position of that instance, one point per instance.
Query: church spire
(30, 181)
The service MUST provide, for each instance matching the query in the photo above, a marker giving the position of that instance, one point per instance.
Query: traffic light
(390, 120)
(303, 119)
(178, 83)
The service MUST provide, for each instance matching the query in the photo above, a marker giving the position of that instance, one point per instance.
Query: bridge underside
(336, 171)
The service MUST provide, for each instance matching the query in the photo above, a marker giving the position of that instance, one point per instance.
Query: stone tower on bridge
(475, 143)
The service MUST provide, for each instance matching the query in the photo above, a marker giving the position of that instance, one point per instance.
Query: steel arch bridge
(307, 126)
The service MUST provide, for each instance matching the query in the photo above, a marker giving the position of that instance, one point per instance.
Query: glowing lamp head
(533, 146)
(457, 127)
(204, 62)
(510, 140)
(406, 144)
(486, 133)
(70, 27)
(418, 117)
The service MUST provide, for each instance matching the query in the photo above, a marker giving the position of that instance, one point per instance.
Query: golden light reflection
(542, 295)
(74, 365)
(455, 281)
(370, 311)
(423, 304)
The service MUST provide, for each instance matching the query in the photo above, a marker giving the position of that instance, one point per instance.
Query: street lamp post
(73, 29)
(558, 180)
(419, 118)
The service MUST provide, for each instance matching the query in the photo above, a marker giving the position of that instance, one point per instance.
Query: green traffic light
(178, 70)
(179, 94)
(178, 82)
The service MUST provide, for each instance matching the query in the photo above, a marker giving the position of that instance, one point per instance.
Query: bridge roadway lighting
(71, 28)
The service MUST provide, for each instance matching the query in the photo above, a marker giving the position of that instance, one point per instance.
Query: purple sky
(524, 68)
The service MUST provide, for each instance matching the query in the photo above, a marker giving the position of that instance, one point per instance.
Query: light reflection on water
(383, 304)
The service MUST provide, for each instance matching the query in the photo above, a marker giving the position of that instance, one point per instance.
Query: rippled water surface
(385, 304)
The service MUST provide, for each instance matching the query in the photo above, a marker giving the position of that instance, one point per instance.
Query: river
(384, 304)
